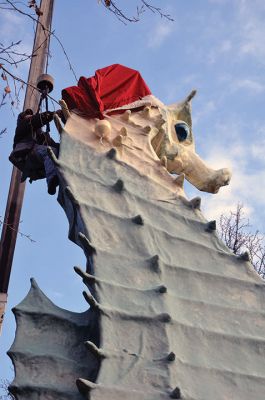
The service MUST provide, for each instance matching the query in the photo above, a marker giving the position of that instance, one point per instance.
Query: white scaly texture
(179, 316)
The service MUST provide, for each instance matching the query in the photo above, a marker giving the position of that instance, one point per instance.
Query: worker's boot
(52, 185)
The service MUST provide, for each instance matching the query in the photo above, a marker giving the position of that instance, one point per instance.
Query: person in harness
(30, 148)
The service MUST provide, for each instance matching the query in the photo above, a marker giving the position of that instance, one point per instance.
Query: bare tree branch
(111, 6)
(17, 79)
(45, 29)
(2, 132)
(7, 394)
(157, 10)
(11, 56)
(234, 230)
(18, 231)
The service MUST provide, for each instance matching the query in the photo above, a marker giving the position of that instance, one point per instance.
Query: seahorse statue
(172, 312)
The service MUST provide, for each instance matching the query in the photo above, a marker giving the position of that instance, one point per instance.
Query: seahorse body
(173, 314)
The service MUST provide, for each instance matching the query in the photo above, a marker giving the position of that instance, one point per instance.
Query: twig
(111, 6)
(2, 132)
(234, 230)
(16, 78)
(37, 21)
(16, 230)
(157, 10)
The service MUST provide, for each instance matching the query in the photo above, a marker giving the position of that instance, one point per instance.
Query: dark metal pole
(16, 189)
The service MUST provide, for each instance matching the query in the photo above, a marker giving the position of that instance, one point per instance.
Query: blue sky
(215, 46)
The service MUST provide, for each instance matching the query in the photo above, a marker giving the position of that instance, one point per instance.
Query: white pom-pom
(102, 129)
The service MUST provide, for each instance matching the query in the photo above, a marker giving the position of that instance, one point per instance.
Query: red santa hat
(111, 88)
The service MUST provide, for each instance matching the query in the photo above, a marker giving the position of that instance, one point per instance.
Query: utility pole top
(16, 189)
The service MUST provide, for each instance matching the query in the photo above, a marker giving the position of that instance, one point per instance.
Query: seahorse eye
(182, 131)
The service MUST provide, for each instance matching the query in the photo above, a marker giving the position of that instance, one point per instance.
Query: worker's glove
(59, 113)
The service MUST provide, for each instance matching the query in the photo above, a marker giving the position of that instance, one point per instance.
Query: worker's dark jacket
(28, 135)
(29, 132)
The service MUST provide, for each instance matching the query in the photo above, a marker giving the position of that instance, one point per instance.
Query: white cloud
(257, 149)
(234, 151)
(242, 36)
(252, 29)
(11, 26)
(240, 190)
(225, 46)
(159, 34)
(218, 1)
(56, 294)
(207, 109)
(250, 85)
